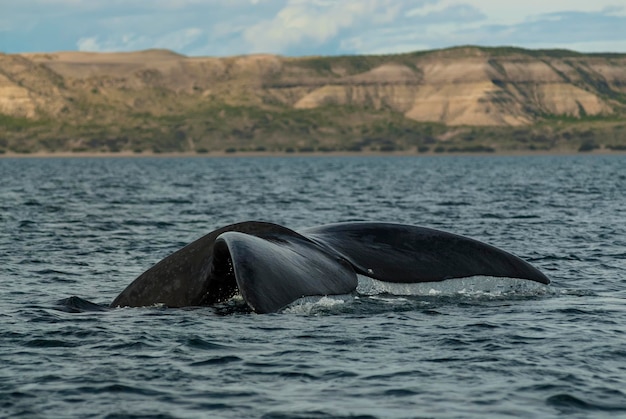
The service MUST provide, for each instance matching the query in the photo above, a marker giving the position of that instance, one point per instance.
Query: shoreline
(223, 154)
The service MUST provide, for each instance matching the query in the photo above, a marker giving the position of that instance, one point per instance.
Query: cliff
(165, 101)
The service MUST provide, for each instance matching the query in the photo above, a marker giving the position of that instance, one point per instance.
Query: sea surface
(477, 347)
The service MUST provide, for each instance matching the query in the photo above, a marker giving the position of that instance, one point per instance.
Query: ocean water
(476, 347)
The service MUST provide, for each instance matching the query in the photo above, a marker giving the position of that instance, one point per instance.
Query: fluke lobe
(271, 266)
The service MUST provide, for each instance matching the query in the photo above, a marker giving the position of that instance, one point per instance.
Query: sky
(309, 27)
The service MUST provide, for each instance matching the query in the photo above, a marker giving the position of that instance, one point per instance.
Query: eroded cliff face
(28, 89)
(461, 86)
(481, 90)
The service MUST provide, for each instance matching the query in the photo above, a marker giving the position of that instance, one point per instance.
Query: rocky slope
(97, 101)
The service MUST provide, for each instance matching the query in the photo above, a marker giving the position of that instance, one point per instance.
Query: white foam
(394, 293)
(311, 305)
(472, 286)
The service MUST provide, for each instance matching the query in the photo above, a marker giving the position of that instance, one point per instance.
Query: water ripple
(470, 348)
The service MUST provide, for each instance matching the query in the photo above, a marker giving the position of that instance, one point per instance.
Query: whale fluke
(271, 266)
(408, 254)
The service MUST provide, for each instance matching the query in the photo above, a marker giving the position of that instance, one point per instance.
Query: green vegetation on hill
(230, 128)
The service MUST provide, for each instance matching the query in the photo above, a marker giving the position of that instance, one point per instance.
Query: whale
(271, 266)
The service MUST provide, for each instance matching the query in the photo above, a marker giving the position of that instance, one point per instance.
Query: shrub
(617, 147)
(587, 146)
(353, 147)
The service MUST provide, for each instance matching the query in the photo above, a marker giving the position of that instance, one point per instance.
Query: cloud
(559, 29)
(192, 27)
(316, 22)
(124, 42)
(176, 41)
(89, 44)
(515, 12)
(308, 27)
(418, 28)
(179, 40)
(577, 25)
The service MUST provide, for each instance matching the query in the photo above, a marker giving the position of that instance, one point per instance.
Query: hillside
(458, 99)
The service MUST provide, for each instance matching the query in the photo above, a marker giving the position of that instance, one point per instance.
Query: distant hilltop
(464, 98)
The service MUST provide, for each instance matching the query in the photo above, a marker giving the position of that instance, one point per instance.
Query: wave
(478, 286)
(318, 304)
(386, 292)
(394, 295)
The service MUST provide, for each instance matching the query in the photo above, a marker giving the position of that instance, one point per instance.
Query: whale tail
(408, 254)
(272, 266)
